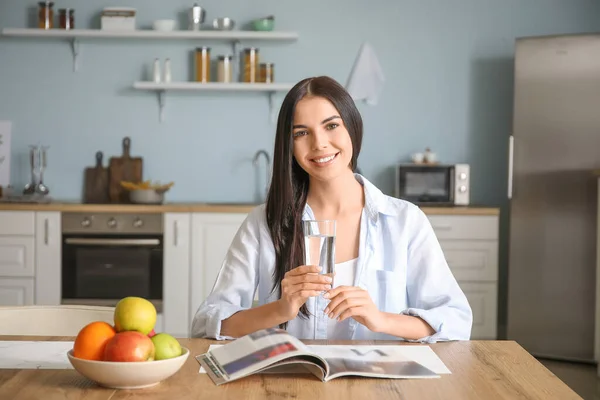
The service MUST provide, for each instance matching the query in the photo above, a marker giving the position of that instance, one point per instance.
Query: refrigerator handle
(511, 149)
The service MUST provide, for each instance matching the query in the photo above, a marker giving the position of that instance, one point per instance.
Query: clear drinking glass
(319, 249)
(319, 244)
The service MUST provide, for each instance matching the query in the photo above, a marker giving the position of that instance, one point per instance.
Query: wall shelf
(76, 35)
(148, 34)
(161, 87)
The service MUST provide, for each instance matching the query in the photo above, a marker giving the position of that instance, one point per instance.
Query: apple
(152, 333)
(129, 346)
(165, 346)
(135, 314)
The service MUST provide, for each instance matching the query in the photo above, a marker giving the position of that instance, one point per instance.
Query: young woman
(391, 277)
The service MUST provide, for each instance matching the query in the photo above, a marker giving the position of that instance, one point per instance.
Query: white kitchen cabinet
(48, 258)
(470, 246)
(176, 274)
(212, 234)
(17, 256)
(16, 291)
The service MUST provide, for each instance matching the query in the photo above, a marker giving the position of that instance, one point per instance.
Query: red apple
(152, 333)
(129, 346)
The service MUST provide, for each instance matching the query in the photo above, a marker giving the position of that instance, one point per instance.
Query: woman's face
(322, 144)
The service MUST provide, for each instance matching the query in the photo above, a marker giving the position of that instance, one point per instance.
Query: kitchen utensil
(223, 24)
(196, 17)
(96, 182)
(124, 168)
(264, 24)
(41, 188)
(33, 153)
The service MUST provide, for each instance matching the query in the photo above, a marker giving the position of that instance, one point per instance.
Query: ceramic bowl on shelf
(264, 24)
(164, 25)
(128, 375)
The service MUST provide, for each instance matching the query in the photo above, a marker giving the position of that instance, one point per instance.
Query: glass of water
(319, 244)
(319, 249)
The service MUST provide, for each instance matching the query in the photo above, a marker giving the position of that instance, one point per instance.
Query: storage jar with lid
(224, 69)
(267, 72)
(66, 18)
(203, 64)
(45, 15)
(250, 66)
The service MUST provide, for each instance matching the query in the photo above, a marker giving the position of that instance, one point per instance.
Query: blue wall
(449, 75)
(449, 86)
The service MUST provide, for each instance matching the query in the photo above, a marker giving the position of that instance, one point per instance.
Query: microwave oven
(447, 185)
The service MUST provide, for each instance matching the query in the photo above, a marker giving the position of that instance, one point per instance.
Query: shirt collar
(375, 202)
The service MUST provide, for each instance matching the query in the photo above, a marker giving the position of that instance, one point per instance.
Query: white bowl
(146, 196)
(164, 25)
(128, 375)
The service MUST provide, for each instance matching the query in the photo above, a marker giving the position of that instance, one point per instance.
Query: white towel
(366, 79)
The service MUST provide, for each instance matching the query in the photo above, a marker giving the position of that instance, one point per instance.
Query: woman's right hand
(298, 285)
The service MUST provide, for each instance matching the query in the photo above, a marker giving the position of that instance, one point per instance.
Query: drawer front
(483, 227)
(16, 256)
(16, 292)
(17, 223)
(483, 299)
(472, 260)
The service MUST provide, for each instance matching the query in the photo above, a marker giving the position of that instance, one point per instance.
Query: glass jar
(66, 17)
(267, 72)
(224, 69)
(203, 64)
(250, 67)
(45, 15)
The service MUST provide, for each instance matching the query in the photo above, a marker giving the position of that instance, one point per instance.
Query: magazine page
(372, 361)
(250, 354)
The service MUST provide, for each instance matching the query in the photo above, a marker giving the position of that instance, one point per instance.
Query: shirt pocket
(387, 290)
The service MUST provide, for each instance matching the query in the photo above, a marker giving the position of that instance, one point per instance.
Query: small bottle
(167, 77)
(156, 70)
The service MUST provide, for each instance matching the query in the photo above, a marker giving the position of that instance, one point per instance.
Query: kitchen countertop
(202, 207)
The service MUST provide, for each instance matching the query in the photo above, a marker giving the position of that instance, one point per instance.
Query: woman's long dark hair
(289, 185)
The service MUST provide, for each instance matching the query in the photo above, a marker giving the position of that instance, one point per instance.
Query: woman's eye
(332, 126)
(299, 133)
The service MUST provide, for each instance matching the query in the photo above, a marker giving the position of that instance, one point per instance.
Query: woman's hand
(298, 285)
(354, 302)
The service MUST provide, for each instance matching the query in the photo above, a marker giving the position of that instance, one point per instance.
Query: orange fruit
(91, 340)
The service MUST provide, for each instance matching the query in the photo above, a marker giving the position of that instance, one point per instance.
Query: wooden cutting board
(96, 182)
(124, 168)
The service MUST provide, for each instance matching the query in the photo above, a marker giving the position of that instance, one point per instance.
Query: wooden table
(480, 370)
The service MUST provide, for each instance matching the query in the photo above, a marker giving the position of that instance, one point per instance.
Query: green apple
(165, 346)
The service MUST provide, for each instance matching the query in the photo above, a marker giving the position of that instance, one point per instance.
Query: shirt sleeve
(433, 293)
(236, 281)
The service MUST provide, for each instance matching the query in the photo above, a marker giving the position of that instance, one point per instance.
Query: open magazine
(277, 351)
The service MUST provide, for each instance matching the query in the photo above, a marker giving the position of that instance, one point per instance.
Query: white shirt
(400, 264)
(344, 276)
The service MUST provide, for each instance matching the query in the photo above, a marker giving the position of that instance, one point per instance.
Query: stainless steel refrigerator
(554, 148)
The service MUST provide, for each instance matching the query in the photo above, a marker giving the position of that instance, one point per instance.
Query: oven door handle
(112, 242)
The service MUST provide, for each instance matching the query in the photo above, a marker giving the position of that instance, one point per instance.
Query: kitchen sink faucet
(268, 168)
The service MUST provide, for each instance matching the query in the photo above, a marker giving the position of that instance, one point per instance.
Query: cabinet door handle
(175, 233)
(442, 227)
(511, 154)
(46, 231)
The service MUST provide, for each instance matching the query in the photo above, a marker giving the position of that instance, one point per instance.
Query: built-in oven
(107, 257)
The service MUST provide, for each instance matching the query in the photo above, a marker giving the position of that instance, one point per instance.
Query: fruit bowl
(128, 375)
